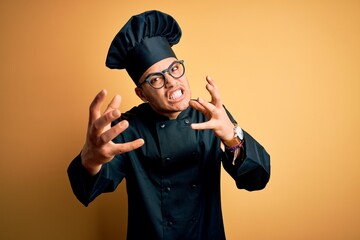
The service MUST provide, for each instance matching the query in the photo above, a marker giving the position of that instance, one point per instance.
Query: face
(170, 100)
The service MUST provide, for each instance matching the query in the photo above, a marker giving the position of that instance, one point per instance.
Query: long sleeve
(253, 173)
(173, 180)
(86, 187)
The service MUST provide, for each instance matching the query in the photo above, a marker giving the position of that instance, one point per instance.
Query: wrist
(232, 143)
(236, 138)
(90, 167)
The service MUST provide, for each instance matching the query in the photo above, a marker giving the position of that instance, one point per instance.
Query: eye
(156, 80)
(175, 67)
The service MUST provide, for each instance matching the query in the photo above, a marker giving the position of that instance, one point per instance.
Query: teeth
(176, 94)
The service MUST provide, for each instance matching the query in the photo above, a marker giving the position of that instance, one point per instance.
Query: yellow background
(289, 71)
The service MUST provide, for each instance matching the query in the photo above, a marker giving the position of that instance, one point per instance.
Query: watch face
(239, 132)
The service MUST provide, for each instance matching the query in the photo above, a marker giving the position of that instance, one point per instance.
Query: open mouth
(176, 95)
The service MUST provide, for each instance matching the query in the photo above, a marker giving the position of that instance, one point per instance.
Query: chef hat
(144, 40)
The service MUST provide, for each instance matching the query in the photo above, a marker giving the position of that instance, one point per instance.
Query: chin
(182, 105)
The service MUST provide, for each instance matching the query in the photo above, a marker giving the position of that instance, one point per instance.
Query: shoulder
(134, 114)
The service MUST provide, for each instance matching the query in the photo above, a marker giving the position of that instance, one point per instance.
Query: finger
(114, 104)
(202, 126)
(214, 92)
(104, 121)
(206, 105)
(211, 81)
(94, 109)
(110, 134)
(196, 105)
(121, 148)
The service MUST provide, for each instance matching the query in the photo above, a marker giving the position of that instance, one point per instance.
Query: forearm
(87, 187)
(252, 167)
(82, 182)
(91, 167)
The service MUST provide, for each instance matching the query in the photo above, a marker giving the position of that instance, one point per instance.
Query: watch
(238, 138)
(236, 144)
(238, 132)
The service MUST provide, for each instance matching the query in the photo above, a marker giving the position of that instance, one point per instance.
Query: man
(170, 148)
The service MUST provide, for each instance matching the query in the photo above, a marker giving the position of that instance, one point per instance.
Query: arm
(87, 187)
(252, 166)
(99, 166)
(253, 171)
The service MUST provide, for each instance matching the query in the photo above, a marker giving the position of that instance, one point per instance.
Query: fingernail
(124, 123)
(116, 113)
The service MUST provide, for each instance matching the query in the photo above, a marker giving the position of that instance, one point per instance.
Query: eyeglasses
(157, 80)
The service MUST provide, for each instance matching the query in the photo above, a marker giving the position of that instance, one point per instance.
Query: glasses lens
(176, 70)
(156, 80)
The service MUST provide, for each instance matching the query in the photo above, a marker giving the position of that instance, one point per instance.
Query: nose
(170, 81)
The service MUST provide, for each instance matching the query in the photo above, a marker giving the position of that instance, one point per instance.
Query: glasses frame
(147, 79)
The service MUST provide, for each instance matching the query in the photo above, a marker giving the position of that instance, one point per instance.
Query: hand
(214, 111)
(99, 148)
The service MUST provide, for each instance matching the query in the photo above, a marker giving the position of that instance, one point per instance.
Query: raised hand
(214, 111)
(99, 148)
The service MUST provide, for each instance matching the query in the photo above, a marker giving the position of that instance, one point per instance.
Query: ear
(140, 93)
